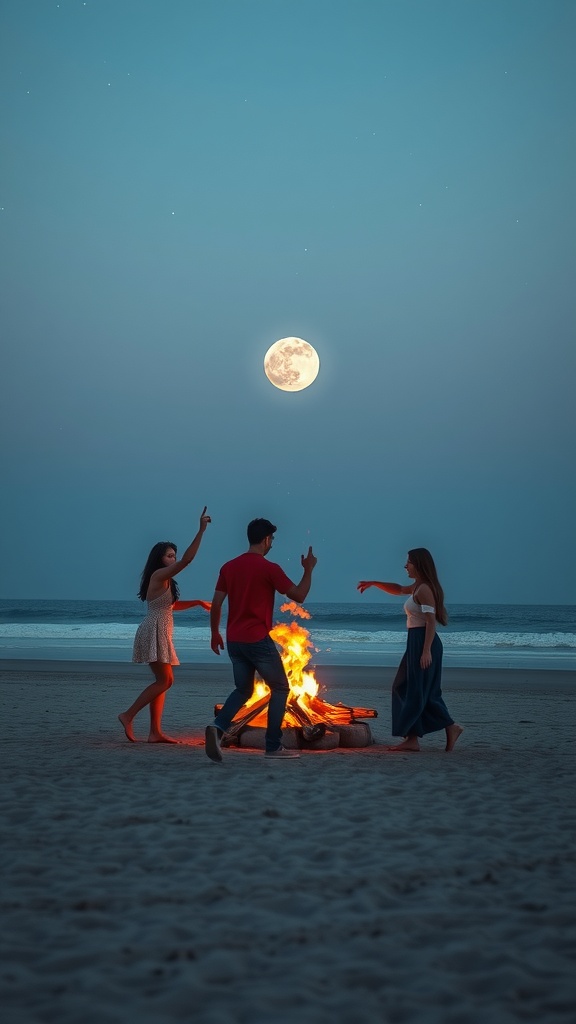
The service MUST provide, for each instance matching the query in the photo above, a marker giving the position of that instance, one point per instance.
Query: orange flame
(304, 705)
(295, 609)
(295, 650)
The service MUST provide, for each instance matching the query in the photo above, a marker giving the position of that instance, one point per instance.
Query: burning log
(310, 731)
(240, 723)
(340, 712)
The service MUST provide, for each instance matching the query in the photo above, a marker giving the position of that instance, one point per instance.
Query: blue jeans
(247, 659)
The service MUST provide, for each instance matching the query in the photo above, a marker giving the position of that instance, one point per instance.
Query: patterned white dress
(153, 640)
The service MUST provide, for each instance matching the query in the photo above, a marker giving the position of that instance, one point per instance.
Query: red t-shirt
(250, 582)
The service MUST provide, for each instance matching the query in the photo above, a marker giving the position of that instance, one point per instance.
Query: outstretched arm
(181, 606)
(389, 588)
(300, 591)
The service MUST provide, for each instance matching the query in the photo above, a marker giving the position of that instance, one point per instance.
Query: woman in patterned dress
(417, 704)
(153, 640)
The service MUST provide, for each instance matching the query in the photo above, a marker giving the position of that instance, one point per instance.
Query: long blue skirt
(417, 704)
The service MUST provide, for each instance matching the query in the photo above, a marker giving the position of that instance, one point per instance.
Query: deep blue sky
(185, 182)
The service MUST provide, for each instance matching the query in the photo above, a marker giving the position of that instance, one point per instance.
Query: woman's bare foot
(127, 726)
(452, 733)
(411, 745)
(160, 737)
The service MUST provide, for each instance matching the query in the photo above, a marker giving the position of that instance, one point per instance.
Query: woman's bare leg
(156, 708)
(163, 682)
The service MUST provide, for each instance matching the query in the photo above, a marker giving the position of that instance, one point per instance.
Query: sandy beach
(142, 882)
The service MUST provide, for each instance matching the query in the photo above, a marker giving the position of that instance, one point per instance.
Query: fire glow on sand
(309, 722)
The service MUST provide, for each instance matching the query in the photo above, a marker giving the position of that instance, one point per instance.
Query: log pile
(317, 725)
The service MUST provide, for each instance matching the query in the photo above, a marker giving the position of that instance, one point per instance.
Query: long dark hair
(424, 564)
(154, 562)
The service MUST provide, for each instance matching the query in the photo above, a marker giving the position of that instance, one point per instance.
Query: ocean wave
(369, 626)
(61, 617)
(473, 638)
(386, 640)
(352, 619)
(88, 631)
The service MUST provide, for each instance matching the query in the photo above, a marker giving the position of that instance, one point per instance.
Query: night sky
(183, 183)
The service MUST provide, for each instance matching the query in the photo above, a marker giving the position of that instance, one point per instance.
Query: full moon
(291, 364)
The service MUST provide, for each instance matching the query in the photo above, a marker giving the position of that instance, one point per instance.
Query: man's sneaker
(282, 753)
(213, 743)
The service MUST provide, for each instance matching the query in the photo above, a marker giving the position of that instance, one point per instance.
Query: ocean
(489, 635)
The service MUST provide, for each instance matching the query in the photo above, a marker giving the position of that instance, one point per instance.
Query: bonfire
(306, 711)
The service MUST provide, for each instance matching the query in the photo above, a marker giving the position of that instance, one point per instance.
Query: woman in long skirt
(417, 704)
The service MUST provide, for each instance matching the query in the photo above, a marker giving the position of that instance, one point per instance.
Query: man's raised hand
(308, 561)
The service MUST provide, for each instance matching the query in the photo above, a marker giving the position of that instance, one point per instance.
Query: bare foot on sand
(452, 733)
(127, 726)
(410, 745)
(160, 737)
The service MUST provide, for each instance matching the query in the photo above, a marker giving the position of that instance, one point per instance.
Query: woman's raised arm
(191, 551)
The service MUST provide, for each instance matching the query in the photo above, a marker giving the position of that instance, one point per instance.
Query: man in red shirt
(250, 583)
